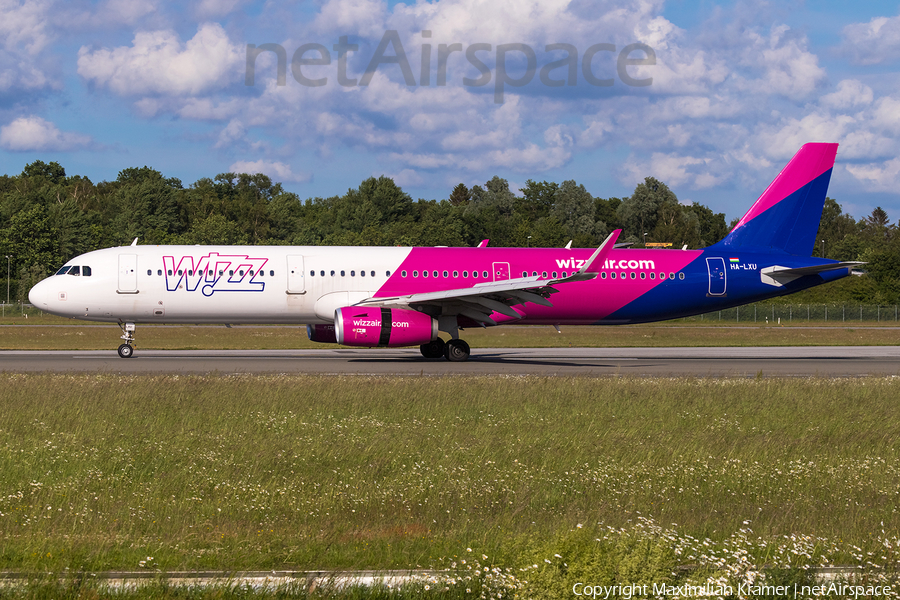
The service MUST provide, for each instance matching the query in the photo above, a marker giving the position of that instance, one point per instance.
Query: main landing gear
(453, 350)
(126, 350)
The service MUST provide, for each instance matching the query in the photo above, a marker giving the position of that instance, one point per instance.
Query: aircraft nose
(39, 295)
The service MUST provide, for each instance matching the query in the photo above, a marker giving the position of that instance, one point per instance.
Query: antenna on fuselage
(134, 243)
(569, 245)
(483, 243)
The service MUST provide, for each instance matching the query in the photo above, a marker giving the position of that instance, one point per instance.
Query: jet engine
(324, 334)
(370, 326)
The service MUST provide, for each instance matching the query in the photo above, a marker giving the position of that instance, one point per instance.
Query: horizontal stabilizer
(778, 276)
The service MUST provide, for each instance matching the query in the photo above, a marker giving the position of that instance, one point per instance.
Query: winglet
(600, 253)
(589, 270)
(483, 243)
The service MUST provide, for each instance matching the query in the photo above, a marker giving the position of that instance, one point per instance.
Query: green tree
(573, 208)
(460, 195)
(537, 199)
(31, 240)
(638, 213)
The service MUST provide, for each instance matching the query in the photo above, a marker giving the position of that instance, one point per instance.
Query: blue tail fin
(786, 216)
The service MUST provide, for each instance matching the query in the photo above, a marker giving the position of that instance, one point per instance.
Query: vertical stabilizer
(786, 217)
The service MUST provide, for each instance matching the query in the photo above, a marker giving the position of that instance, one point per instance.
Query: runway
(802, 361)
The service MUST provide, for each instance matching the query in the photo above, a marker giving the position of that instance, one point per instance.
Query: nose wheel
(126, 350)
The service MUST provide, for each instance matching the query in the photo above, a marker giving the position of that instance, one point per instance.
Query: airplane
(385, 296)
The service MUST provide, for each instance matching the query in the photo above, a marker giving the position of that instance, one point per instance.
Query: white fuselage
(204, 284)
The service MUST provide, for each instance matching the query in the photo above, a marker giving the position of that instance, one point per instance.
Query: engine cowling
(358, 326)
(324, 334)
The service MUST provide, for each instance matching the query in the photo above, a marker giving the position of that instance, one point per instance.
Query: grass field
(109, 472)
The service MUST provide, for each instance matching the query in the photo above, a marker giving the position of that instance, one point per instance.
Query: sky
(713, 98)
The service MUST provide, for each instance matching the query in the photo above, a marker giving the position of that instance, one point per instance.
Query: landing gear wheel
(457, 351)
(433, 349)
(126, 350)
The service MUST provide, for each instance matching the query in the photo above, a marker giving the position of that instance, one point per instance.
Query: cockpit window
(86, 271)
(76, 270)
(63, 270)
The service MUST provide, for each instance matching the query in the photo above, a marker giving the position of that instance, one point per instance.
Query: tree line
(48, 217)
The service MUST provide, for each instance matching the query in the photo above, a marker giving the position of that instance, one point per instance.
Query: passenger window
(271, 273)
(332, 273)
(671, 275)
(149, 272)
(362, 273)
(159, 272)
(554, 275)
(603, 275)
(372, 273)
(465, 274)
(343, 273)
(544, 275)
(681, 276)
(170, 272)
(652, 275)
(633, 275)
(434, 273)
(230, 273)
(484, 274)
(415, 273)
(456, 273)
(312, 273)
(322, 273)
(424, 273)
(180, 272)
(221, 272)
(388, 274)
(643, 276)
(352, 273)
(403, 273)
(534, 273)
(612, 275)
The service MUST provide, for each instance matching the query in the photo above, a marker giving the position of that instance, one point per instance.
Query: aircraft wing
(480, 300)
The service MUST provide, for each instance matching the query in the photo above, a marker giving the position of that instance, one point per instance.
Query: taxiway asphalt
(801, 361)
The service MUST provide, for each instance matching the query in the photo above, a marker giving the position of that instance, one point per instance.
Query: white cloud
(673, 169)
(875, 42)
(877, 177)
(30, 134)
(277, 171)
(24, 38)
(159, 63)
(207, 9)
(850, 93)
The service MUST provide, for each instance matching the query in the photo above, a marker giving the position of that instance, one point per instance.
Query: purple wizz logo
(216, 272)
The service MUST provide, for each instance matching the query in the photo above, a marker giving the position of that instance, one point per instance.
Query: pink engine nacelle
(357, 326)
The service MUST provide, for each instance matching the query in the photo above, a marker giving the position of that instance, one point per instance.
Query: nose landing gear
(126, 350)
